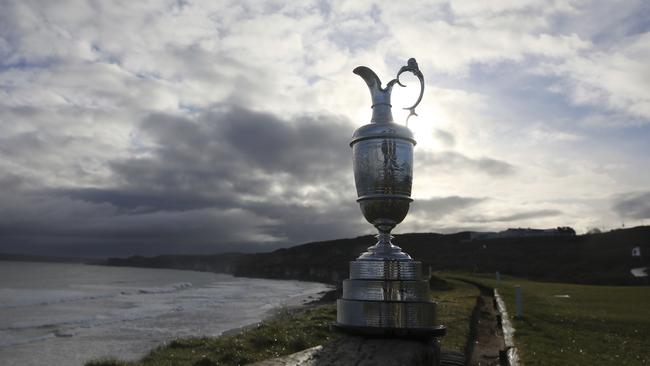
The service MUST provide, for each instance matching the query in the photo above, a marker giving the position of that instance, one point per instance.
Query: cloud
(542, 134)
(444, 136)
(458, 36)
(534, 214)
(633, 205)
(241, 150)
(229, 176)
(455, 161)
(614, 78)
(438, 207)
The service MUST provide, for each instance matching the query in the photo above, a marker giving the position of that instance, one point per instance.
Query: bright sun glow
(424, 124)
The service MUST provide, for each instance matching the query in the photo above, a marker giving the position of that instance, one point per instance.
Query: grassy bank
(456, 300)
(290, 332)
(283, 334)
(565, 324)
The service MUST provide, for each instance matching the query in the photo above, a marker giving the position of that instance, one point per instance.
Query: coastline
(296, 304)
(69, 313)
(286, 330)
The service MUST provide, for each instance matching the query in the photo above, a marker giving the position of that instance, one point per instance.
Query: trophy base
(387, 299)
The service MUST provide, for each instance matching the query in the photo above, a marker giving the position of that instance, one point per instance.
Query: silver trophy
(386, 293)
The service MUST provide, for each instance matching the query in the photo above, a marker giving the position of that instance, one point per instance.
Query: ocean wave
(25, 325)
(65, 326)
(17, 342)
(58, 297)
(55, 299)
(7, 341)
(160, 290)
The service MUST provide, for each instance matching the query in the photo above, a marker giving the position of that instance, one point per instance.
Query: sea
(67, 314)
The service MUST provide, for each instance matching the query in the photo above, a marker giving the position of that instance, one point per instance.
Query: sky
(149, 127)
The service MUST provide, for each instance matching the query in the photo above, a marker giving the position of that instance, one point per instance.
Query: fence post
(519, 306)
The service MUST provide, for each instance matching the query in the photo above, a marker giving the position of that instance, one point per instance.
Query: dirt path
(487, 335)
(486, 345)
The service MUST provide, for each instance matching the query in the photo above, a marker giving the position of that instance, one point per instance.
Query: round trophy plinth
(388, 318)
(409, 270)
(375, 290)
(387, 298)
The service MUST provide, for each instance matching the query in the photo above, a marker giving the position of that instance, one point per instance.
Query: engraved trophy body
(386, 293)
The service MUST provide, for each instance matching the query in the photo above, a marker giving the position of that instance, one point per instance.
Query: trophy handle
(412, 66)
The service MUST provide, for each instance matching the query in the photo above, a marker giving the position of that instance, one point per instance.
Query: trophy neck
(382, 113)
(381, 107)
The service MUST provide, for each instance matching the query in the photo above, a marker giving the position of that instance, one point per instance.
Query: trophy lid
(382, 130)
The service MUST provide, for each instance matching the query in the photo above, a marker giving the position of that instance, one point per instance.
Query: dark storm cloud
(634, 205)
(230, 178)
(534, 214)
(228, 159)
(296, 172)
(197, 231)
(239, 146)
(142, 201)
(11, 182)
(308, 147)
(454, 161)
(435, 208)
(305, 223)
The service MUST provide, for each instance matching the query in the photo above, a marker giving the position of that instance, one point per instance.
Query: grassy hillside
(594, 259)
(568, 324)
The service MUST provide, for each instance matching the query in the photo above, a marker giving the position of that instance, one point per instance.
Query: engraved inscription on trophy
(383, 167)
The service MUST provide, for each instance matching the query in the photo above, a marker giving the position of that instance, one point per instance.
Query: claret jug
(387, 293)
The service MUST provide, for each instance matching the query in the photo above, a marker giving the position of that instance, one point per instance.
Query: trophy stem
(384, 244)
(384, 250)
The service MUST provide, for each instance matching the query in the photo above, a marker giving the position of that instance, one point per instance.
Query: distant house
(523, 233)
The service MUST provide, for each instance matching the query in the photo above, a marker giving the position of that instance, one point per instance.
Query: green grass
(455, 306)
(595, 325)
(281, 335)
